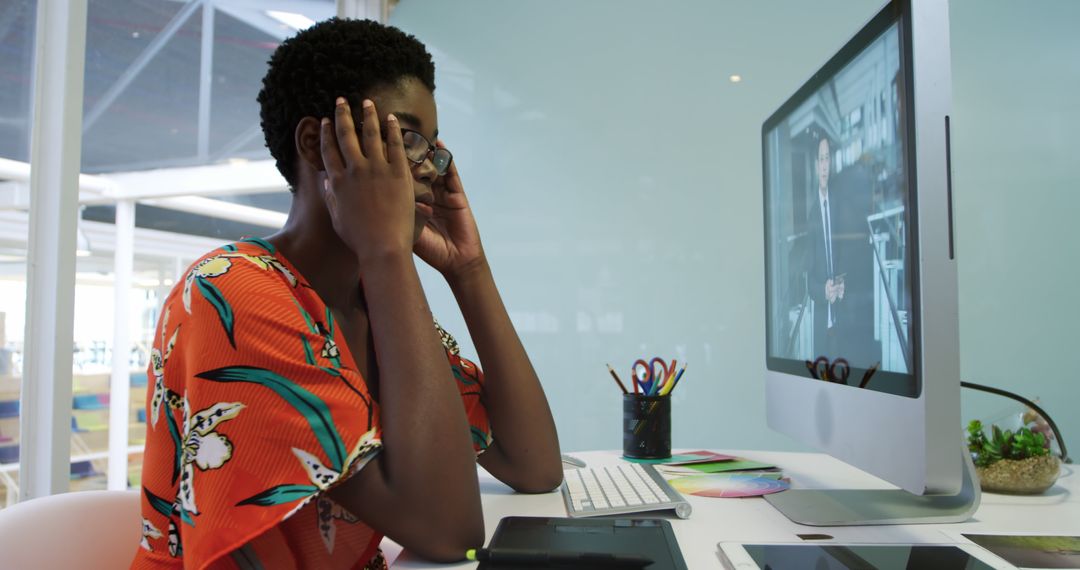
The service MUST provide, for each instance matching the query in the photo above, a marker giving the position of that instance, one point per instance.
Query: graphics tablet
(653, 538)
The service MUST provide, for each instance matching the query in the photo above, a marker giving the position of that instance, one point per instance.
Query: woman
(303, 405)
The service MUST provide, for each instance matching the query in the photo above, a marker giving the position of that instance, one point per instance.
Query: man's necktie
(828, 255)
(828, 239)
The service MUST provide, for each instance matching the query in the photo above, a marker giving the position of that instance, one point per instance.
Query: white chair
(89, 530)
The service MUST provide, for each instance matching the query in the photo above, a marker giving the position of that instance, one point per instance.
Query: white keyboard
(620, 489)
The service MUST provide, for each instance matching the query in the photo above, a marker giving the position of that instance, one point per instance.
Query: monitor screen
(838, 224)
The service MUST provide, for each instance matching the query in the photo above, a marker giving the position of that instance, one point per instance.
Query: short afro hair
(336, 57)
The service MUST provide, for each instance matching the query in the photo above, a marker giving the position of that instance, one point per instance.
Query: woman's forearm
(424, 490)
(525, 452)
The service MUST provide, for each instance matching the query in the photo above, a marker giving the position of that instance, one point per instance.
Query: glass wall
(170, 90)
(17, 23)
(1015, 77)
(616, 177)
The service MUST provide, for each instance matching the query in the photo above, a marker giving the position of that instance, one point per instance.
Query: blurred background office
(611, 150)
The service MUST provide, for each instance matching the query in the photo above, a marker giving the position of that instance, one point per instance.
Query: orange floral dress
(257, 408)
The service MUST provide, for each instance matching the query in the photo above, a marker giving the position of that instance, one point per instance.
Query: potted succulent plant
(1012, 462)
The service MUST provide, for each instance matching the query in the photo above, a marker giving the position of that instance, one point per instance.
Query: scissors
(657, 372)
(836, 371)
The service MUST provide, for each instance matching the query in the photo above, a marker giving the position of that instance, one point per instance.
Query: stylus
(527, 557)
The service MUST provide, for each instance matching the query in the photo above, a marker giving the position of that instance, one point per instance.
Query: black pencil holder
(646, 426)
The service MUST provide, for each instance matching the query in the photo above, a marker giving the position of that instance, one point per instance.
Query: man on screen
(827, 287)
(841, 262)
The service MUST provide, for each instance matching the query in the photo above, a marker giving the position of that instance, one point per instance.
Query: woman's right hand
(370, 197)
(368, 185)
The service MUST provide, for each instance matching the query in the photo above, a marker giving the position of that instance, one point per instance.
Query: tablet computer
(652, 538)
(832, 556)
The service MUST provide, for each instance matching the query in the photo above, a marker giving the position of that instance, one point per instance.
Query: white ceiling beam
(150, 243)
(14, 229)
(102, 237)
(14, 196)
(14, 170)
(18, 171)
(185, 189)
(228, 179)
(220, 209)
(233, 178)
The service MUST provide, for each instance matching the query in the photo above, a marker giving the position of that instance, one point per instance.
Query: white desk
(748, 520)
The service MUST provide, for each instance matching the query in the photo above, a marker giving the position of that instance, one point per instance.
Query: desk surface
(752, 520)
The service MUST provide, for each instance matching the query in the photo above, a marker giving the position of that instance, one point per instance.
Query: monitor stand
(847, 507)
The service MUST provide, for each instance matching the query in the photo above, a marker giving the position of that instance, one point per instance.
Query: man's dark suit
(851, 335)
(819, 272)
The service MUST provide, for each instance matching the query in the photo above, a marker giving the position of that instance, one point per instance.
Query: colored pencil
(675, 382)
(617, 381)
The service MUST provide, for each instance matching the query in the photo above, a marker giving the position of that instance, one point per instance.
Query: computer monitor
(860, 274)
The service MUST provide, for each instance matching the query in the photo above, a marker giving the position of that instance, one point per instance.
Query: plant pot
(1029, 476)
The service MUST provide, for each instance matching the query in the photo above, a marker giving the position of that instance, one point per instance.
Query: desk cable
(1030, 404)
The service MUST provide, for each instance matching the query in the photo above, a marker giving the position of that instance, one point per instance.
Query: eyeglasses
(418, 148)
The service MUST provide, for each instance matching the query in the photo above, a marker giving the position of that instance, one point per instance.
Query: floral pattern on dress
(448, 341)
(148, 531)
(265, 410)
(203, 447)
(200, 275)
(157, 366)
(329, 512)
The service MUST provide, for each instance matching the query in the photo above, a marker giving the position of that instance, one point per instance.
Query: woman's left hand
(450, 241)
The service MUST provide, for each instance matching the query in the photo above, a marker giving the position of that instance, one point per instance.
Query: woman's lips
(425, 209)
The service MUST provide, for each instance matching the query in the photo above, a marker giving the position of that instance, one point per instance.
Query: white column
(120, 385)
(55, 152)
(378, 10)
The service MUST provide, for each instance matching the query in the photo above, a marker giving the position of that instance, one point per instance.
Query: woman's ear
(308, 143)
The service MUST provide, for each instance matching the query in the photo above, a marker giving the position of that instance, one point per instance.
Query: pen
(616, 377)
(527, 557)
(669, 388)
